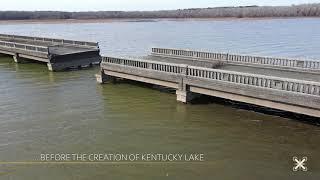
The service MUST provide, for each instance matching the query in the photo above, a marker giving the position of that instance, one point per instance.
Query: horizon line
(155, 10)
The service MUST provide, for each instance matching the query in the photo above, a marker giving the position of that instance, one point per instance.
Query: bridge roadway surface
(55, 48)
(246, 69)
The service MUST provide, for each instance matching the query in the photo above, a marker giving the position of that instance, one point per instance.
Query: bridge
(207, 58)
(59, 54)
(192, 73)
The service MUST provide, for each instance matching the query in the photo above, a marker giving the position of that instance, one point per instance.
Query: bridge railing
(270, 82)
(281, 62)
(52, 40)
(25, 47)
(151, 65)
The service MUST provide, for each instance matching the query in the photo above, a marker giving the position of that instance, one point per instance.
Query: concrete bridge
(283, 93)
(59, 54)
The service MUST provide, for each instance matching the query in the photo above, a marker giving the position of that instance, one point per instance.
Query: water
(68, 112)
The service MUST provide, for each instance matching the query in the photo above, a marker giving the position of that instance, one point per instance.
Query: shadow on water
(204, 99)
(145, 85)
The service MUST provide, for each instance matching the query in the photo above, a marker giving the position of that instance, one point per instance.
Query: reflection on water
(45, 112)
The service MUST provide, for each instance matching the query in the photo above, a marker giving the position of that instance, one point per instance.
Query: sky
(131, 5)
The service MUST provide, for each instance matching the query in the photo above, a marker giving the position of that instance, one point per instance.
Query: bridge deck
(245, 69)
(55, 48)
(58, 53)
(64, 50)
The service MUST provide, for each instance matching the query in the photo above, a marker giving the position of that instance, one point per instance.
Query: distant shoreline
(63, 21)
(210, 13)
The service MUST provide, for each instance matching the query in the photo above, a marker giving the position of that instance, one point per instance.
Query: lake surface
(68, 112)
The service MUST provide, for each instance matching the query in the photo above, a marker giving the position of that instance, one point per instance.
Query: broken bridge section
(59, 54)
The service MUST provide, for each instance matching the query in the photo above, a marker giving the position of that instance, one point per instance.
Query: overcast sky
(128, 5)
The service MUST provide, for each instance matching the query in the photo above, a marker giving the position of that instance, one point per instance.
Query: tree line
(303, 10)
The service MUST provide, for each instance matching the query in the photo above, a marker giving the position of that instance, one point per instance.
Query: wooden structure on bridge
(279, 92)
(59, 54)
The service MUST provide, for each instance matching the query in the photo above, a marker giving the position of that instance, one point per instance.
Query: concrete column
(51, 67)
(103, 78)
(184, 96)
(183, 93)
(16, 58)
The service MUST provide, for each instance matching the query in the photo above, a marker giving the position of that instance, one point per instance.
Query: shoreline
(63, 21)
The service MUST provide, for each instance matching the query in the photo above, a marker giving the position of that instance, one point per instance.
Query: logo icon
(300, 164)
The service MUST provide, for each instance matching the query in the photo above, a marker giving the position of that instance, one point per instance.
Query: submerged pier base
(17, 58)
(185, 96)
(183, 92)
(104, 78)
(50, 66)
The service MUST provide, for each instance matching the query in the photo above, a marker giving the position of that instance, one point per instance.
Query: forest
(303, 10)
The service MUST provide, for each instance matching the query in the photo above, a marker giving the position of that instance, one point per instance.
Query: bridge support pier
(17, 58)
(51, 67)
(184, 96)
(104, 78)
(183, 93)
